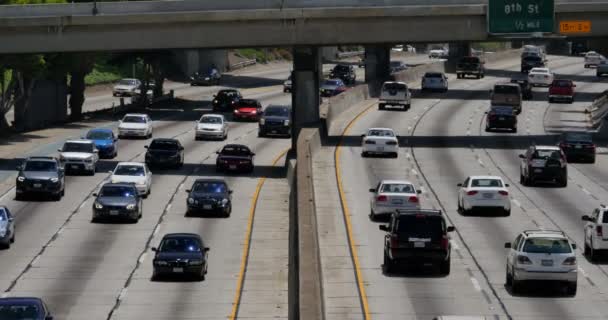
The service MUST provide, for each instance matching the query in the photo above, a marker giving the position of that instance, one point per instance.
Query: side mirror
(110, 171)
(115, 139)
(58, 150)
(573, 85)
(418, 191)
(207, 249)
(451, 229)
(188, 190)
(214, 95)
(95, 194)
(95, 151)
(486, 112)
(586, 218)
(119, 121)
(217, 152)
(506, 184)
(362, 136)
(145, 147)
(574, 246)
(459, 185)
(508, 245)
(252, 153)
(181, 148)
(372, 190)
(230, 191)
(383, 228)
(154, 249)
(522, 156)
(19, 168)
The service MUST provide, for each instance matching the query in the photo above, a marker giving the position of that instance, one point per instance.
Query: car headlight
(2, 232)
(190, 201)
(88, 160)
(286, 122)
(215, 101)
(98, 205)
(20, 179)
(130, 207)
(254, 112)
(160, 263)
(262, 121)
(195, 262)
(54, 180)
(141, 183)
(224, 201)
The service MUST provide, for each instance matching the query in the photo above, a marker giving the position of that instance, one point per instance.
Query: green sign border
(488, 13)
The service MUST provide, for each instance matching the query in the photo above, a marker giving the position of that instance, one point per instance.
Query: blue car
(24, 308)
(105, 141)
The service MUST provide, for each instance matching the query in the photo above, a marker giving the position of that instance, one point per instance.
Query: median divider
(597, 111)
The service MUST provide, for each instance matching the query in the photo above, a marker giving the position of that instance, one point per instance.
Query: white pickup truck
(395, 94)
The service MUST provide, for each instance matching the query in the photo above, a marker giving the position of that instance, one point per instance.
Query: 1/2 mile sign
(520, 16)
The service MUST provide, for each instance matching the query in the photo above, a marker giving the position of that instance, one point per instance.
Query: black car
(180, 254)
(117, 201)
(29, 308)
(501, 117)
(417, 236)
(206, 78)
(344, 72)
(531, 61)
(578, 146)
(276, 119)
(543, 163)
(225, 100)
(209, 195)
(526, 88)
(234, 157)
(164, 152)
(41, 176)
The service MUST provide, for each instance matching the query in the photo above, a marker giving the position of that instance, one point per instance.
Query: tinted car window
(502, 110)
(380, 133)
(248, 103)
(420, 226)
(433, 75)
(40, 166)
(235, 151)
(127, 170)
(217, 120)
(562, 83)
(331, 82)
(118, 191)
(209, 187)
(506, 89)
(582, 137)
(127, 82)
(277, 111)
(164, 145)
(226, 94)
(546, 245)
(19, 311)
(180, 245)
(532, 59)
(394, 86)
(486, 183)
(341, 68)
(99, 135)
(546, 154)
(398, 188)
(77, 147)
(132, 119)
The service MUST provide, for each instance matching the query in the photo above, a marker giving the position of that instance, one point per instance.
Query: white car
(390, 195)
(596, 232)
(541, 255)
(593, 58)
(211, 126)
(437, 53)
(484, 192)
(126, 87)
(135, 125)
(540, 77)
(380, 141)
(133, 172)
(287, 85)
(79, 155)
(434, 81)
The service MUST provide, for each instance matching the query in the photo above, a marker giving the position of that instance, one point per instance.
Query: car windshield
(134, 119)
(331, 82)
(209, 187)
(180, 245)
(235, 151)
(546, 154)
(77, 147)
(130, 170)
(562, 83)
(420, 226)
(394, 87)
(397, 188)
(578, 137)
(532, 58)
(118, 191)
(506, 89)
(127, 82)
(341, 68)
(380, 133)
(432, 75)
(248, 103)
(486, 183)
(277, 111)
(99, 135)
(216, 120)
(546, 245)
(164, 145)
(19, 311)
(539, 70)
(40, 166)
(226, 94)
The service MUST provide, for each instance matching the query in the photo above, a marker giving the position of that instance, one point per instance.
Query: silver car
(7, 227)
(602, 68)
(434, 81)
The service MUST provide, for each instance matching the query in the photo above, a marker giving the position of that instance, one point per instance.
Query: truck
(470, 66)
(507, 94)
(395, 94)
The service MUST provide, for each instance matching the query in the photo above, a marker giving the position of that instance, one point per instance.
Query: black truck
(470, 66)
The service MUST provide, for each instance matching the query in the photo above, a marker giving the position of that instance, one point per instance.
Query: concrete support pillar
(305, 99)
(377, 63)
(455, 52)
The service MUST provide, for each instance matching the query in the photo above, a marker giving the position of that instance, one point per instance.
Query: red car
(561, 90)
(247, 109)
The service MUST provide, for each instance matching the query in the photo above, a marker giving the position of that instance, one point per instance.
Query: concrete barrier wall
(414, 74)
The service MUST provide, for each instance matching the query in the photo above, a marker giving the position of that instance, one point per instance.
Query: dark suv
(578, 145)
(543, 163)
(417, 236)
(40, 175)
(344, 72)
(225, 100)
(165, 152)
(531, 61)
(275, 120)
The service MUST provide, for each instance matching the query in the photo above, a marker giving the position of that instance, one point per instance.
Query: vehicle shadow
(175, 278)
(483, 213)
(414, 271)
(540, 289)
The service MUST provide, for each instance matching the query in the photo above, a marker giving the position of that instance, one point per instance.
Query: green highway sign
(520, 16)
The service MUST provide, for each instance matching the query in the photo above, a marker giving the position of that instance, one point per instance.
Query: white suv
(596, 232)
(541, 255)
(135, 125)
(79, 155)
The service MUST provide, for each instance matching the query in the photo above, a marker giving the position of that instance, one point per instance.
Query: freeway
(442, 142)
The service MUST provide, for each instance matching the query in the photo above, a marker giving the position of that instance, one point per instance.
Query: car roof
(390, 82)
(546, 147)
(227, 90)
(83, 141)
(182, 235)
(387, 129)
(395, 182)
(540, 69)
(22, 299)
(544, 233)
(118, 184)
(200, 180)
(101, 130)
(278, 106)
(234, 145)
(165, 140)
(130, 164)
(213, 115)
(510, 84)
(246, 101)
(486, 177)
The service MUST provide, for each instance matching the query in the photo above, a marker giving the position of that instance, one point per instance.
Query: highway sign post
(520, 16)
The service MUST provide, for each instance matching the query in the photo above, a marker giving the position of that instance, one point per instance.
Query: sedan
(211, 126)
(180, 254)
(234, 157)
(126, 87)
(390, 195)
(434, 81)
(501, 117)
(578, 146)
(484, 192)
(540, 77)
(381, 141)
(210, 195)
(7, 227)
(135, 125)
(332, 87)
(165, 153)
(105, 142)
(24, 308)
(133, 172)
(247, 109)
(117, 200)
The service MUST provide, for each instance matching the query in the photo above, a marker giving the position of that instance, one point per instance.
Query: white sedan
(484, 192)
(133, 172)
(135, 125)
(380, 141)
(390, 195)
(211, 126)
(540, 77)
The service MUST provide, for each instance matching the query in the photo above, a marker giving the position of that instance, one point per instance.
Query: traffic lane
(213, 298)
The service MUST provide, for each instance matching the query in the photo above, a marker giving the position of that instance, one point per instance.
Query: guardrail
(242, 64)
(598, 110)
(342, 55)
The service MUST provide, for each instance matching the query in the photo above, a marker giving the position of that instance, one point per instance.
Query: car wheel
(563, 182)
(444, 267)
(372, 215)
(522, 179)
(592, 253)
(381, 106)
(515, 286)
(260, 134)
(13, 237)
(63, 192)
(364, 154)
(387, 265)
(225, 136)
(57, 197)
(571, 100)
(406, 107)
(586, 250)
(592, 160)
(515, 130)
(508, 279)
(228, 212)
(507, 212)
(571, 288)
(550, 100)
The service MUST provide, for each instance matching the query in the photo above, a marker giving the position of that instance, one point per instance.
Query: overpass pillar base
(305, 98)
(377, 63)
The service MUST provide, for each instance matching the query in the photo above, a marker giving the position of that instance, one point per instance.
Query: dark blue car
(105, 141)
(24, 308)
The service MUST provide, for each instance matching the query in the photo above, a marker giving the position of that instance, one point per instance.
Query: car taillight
(413, 199)
(381, 198)
(599, 231)
(523, 260)
(471, 193)
(563, 145)
(571, 261)
(445, 242)
(504, 193)
(394, 242)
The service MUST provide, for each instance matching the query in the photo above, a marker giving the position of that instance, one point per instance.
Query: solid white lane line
(143, 257)
(123, 294)
(516, 202)
(476, 284)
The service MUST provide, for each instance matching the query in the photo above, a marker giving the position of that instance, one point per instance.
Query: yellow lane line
(346, 212)
(246, 247)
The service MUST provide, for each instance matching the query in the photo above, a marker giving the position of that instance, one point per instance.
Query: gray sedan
(7, 227)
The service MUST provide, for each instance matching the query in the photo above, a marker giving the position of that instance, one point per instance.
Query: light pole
(95, 11)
